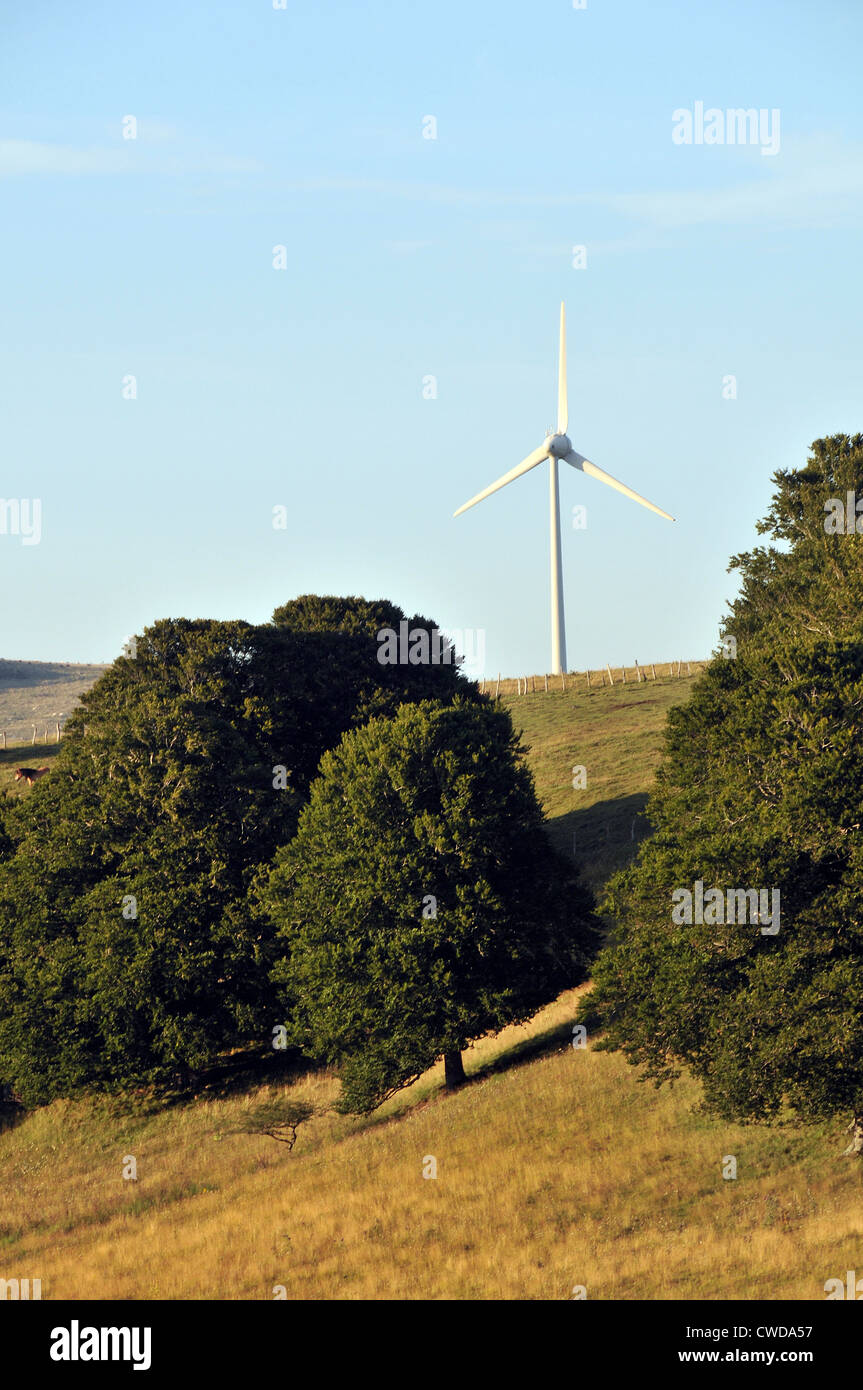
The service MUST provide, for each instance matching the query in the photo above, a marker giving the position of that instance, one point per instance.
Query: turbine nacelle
(558, 445)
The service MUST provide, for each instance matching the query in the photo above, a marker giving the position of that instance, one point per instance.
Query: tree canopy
(420, 904)
(761, 786)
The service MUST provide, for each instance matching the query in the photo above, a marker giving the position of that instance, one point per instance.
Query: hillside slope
(40, 693)
(615, 735)
(555, 1166)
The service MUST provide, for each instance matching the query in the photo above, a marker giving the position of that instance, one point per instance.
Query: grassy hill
(40, 694)
(615, 734)
(555, 1166)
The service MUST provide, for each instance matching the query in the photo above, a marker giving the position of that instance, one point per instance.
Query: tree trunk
(453, 1070)
(855, 1129)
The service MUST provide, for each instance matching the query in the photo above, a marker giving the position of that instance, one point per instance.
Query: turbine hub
(558, 445)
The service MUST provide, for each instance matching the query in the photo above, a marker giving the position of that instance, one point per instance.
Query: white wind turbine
(558, 446)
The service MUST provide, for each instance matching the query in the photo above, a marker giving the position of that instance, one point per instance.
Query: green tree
(128, 950)
(278, 1118)
(811, 582)
(761, 786)
(125, 956)
(346, 680)
(420, 904)
(332, 613)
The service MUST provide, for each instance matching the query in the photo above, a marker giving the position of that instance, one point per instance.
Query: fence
(55, 735)
(592, 679)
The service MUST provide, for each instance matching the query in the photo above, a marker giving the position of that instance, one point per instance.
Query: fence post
(638, 670)
(563, 680)
(33, 740)
(58, 730)
(623, 669)
(546, 682)
(588, 677)
(610, 676)
(653, 668)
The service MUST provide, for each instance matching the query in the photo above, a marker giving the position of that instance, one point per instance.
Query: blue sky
(407, 258)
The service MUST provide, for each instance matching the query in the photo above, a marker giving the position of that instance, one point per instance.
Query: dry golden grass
(36, 694)
(556, 1172)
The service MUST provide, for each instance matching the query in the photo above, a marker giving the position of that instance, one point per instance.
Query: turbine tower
(558, 447)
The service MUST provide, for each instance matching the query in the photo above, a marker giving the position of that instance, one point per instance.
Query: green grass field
(615, 734)
(556, 1167)
(22, 755)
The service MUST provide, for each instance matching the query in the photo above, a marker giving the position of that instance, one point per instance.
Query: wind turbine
(558, 447)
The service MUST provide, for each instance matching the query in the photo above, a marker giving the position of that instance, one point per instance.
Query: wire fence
(593, 678)
(16, 733)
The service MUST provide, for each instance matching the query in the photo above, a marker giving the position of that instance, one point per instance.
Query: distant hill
(40, 693)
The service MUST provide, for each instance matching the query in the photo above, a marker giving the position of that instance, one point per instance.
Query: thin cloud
(817, 183)
(430, 192)
(19, 157)
(820, 185)
(814, 184)
(33, 157)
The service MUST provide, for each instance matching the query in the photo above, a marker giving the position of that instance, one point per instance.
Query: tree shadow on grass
(11, 1114)
(234, 1075)
(602, 838)
(556, 1038)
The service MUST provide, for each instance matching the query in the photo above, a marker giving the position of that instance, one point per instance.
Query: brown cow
(30, 774)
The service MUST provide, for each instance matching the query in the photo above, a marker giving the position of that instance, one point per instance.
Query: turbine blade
(524, 467)
(578, 461)
(562, 412)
